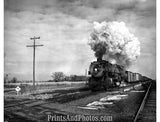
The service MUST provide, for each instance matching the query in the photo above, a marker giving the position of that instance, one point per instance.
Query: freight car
(104, 75)
(133, 77)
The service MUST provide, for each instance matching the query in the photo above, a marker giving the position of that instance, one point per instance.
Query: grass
(27, 89)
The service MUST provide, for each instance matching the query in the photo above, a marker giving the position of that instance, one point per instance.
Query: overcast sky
(64, 27)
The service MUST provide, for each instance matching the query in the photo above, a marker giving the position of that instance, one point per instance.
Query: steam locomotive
(104, 75)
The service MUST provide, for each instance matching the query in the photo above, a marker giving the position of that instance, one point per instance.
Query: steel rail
(142, 104)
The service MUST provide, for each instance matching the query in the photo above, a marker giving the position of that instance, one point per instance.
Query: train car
(133, 77)
(128, 76)
(138, 77)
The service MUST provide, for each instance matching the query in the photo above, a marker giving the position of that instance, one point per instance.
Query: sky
(64, 27)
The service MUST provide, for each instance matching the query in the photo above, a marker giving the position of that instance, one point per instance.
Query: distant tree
(58, 76)
(6, 78)
(50, 81)
(14, 80)
(73, 77)
(78, 78)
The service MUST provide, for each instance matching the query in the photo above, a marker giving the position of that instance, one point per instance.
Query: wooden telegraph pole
(34, 46)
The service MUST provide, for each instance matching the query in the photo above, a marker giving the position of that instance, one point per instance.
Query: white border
(2, 60)
(157, 60)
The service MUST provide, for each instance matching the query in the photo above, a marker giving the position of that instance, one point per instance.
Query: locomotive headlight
(95, 69)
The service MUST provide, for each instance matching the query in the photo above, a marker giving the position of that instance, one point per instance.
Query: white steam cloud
(112, 41)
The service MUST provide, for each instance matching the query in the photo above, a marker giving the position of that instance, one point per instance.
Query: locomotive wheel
(118, 83)
(93, 84)
(94, 89)
(105, 87)
(107, 83)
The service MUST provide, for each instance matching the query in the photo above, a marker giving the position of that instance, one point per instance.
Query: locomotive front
(104, 75)
(96, 69)
(98, 72)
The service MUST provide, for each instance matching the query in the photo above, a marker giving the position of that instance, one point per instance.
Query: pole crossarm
(34, 47)
(35, 38)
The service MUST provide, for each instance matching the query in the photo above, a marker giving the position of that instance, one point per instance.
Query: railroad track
(147, 109)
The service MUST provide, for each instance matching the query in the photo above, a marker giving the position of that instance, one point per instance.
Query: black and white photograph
(79, 61)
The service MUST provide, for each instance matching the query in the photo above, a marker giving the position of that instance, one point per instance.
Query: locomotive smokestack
(100, 51)
(99, 58)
